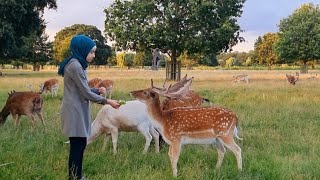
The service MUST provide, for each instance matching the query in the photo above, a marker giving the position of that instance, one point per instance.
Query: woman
(75, 112)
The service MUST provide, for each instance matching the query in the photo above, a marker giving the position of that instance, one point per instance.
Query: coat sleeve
(80, 79)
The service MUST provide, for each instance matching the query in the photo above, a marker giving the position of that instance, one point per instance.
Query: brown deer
(199, 125)
(108, 84)
(292, 79)
(51, 85)
(93, 82)
(22, 103)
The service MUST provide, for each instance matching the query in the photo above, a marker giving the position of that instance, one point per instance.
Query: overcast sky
(258, 17)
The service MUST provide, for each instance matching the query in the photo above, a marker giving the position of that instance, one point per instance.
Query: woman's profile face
(91, 55)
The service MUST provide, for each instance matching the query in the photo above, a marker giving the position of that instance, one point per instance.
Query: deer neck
(4, 114)
(156, 113)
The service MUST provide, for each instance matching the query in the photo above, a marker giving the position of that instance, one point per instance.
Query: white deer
(130, 117)
(199, 125)
(241, 77)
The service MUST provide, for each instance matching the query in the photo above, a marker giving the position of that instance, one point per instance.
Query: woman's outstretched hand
(114, 103)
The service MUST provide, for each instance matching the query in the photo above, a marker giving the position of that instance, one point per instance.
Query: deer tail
(235, 132)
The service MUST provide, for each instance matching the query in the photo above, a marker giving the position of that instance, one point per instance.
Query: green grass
(279, 123)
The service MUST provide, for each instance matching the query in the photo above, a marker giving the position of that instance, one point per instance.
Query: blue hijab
(80, 47)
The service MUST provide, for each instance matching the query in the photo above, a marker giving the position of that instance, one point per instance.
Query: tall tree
(20, 19)
(266, 53)
(36, 50)
(299, 35)
(174, 26)
(62, 39)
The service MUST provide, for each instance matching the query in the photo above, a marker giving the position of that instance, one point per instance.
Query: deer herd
(174, 114)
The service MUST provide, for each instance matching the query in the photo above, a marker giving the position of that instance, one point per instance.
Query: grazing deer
(108, 84)
(93, 82)
(200, 125)
(22, 103)
(241, 77)
(292, 79)
(51, 85)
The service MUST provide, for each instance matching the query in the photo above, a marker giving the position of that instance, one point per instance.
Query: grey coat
(75, 112)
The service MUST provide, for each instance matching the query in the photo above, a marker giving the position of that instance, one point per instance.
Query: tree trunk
(174, 68)
(304, 68)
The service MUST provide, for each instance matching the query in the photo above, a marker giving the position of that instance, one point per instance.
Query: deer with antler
(192, 99)
(292, 79)
(200, 125)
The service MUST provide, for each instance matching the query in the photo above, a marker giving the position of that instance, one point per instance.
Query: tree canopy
(61, 43)
(174, 27)
(265, 49)
(299, 35)
(20, 19)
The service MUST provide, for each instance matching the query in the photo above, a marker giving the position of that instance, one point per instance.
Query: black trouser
(77, 146)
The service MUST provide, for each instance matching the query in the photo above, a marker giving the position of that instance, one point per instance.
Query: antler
(176, 91)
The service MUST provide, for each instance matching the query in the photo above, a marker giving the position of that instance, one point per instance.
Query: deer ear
(152, 94)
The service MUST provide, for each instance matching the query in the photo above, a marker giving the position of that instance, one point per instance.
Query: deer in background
(93, 82)
(313, 76)
(51, 85)
(108, 84)
(199, 125)
(292, 79)
(241, 77)
(22, 103)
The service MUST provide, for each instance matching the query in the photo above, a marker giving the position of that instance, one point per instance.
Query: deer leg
(31, 118)
(42, 120)
(15, 119)
(105, 142)
(221, 151)
(174, 153)
(96, 130)
(229, 143)
(114, 138)
(148, 137)
(154, 133)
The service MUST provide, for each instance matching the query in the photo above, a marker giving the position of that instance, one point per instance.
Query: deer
(130, 117)
(241, 77)
(312, 76)
(23, 103)
(292, 79)
(93, 82)
(195, 125)
(192, 99)
(108, 84)
(51, 85)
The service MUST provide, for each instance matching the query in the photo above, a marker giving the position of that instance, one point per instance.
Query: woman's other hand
(102, 90)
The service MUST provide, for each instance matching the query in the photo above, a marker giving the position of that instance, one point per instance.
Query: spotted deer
(22, 103)
(108, 84)
(198, 125)
(292, 79)
(51, 85)
(192, 99)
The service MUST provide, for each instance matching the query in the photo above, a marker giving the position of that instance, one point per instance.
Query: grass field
(279, 123)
